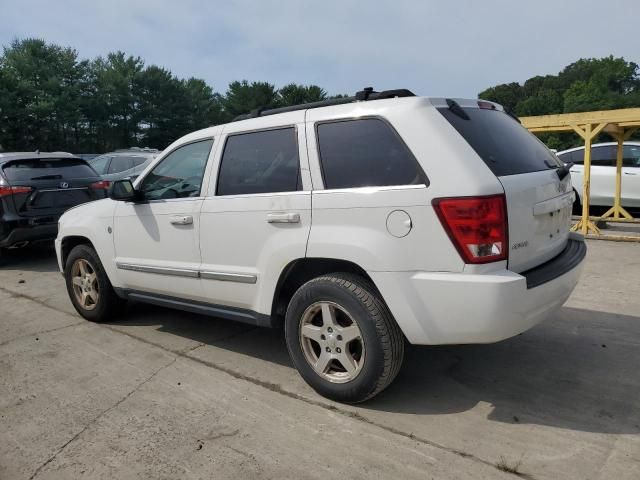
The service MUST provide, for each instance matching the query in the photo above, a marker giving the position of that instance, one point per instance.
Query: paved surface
(164, 394)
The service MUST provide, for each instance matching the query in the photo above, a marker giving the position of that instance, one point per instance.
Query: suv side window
(179, 174)
(260, 162)
(365, 153)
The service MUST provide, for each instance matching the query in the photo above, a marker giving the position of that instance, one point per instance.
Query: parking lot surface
(165, 394)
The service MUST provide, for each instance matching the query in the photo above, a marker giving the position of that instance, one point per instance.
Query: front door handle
(181, 219)
(283, 218)
(630, 173)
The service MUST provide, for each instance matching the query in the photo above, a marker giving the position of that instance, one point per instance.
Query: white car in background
(603, 173)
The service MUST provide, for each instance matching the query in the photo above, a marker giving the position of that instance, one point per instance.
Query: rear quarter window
(502, 143)
(34, 169)
(365, 153)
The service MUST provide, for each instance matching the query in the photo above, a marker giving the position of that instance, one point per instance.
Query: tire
(104, 303)
(357, 369)
(577, 206)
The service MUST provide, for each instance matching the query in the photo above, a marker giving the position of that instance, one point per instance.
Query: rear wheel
(342, 338)
(89, 287)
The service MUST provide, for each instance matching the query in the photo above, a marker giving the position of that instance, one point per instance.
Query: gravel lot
(165, 394)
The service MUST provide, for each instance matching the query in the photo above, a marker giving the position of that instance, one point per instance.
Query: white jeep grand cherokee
(358, 223)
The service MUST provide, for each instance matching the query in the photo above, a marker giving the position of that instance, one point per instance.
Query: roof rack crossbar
(361, 96)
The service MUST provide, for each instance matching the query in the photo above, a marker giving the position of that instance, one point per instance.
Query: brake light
(6, 190)
(486, 105)
(476, 225)
(101, 185)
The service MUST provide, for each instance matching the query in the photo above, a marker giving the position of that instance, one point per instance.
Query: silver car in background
(123, 163)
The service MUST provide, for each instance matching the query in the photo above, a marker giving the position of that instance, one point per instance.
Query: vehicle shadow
(262, 343)
(40, 257)
(577, 371)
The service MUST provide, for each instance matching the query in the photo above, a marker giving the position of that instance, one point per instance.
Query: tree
(585, 85)
(40, 90)
(294, 94)
(243, 97)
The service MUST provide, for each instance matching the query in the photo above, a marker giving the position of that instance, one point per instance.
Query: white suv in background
(603, 173)
(358, 223)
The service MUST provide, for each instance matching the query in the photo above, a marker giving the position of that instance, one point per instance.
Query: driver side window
(179, 174)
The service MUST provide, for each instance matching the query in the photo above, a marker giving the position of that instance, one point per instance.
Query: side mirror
(123, 191)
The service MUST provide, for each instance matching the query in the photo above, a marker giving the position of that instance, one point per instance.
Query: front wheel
(342, 338)
(89, 287)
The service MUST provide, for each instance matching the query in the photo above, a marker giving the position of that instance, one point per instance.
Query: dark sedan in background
(36, 188)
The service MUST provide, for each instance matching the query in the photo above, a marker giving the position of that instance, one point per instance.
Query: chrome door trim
(229, 277)
(179, 272)
(184, 272)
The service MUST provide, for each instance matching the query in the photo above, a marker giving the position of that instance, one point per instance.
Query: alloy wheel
(332, 342)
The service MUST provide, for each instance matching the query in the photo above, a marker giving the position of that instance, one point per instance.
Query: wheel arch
(299, 271)
(68, 243)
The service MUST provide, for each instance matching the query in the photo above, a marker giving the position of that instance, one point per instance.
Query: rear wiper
(456, 109)
(563, 171)
(47, 177)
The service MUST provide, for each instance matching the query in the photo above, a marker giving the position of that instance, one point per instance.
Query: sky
(432, 47)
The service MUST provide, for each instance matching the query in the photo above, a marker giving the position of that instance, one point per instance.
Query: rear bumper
(451, 308)
(27, 230)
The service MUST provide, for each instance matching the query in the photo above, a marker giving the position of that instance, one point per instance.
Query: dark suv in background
(36, 188)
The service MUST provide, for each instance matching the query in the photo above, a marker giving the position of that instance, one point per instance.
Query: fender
(93, 221)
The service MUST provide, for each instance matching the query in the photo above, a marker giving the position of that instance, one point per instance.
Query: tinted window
(631, 156)
(503, 144)
(577, 156)
(566, 157)
(100, 163)
(179, 174)
(260, 162)
(137, 161)
(365, 153)
(36, 169)
(120, 163)
(603, 156)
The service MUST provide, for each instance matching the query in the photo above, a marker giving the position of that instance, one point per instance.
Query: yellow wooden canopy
(620, 124)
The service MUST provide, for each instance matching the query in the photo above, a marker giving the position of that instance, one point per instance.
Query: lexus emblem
(64, 185)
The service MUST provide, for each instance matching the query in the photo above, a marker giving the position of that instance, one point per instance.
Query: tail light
(476, 225)
(6, 190)
(101, 185)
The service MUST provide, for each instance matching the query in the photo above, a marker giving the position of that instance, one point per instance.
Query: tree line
(52, 100)
(586, 85)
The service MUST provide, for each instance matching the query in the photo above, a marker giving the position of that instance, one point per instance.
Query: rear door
(56, 184)
(539, 203)
(257, 215)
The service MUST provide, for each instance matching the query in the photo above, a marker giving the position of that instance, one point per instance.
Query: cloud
(432, 47)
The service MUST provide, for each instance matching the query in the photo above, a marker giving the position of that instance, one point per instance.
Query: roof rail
(364, 95)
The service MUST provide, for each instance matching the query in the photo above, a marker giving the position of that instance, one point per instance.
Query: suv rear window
(503, 144)
(36, 169)
(365, 153)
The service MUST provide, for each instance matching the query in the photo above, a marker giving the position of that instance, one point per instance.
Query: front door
(157, 238)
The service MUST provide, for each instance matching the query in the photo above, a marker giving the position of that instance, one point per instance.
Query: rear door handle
(181, 219)
(283, 218)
